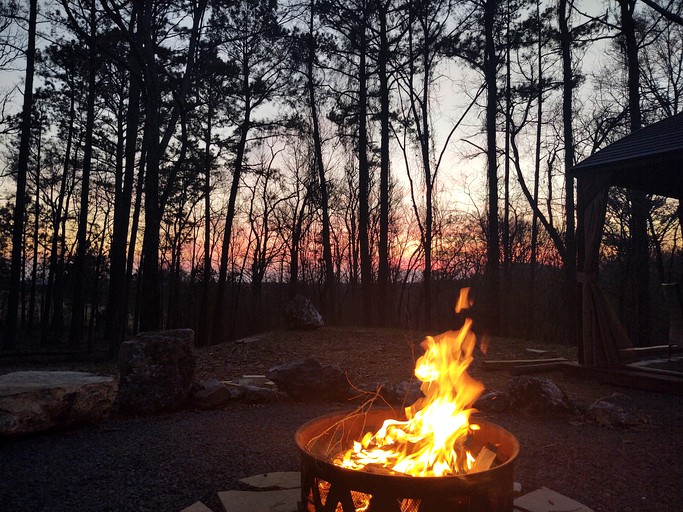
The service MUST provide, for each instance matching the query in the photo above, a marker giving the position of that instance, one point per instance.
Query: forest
(196, 163)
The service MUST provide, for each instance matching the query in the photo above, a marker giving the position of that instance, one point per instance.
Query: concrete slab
(547, 500)
(277, 479)
(260, 501)
(197, 506)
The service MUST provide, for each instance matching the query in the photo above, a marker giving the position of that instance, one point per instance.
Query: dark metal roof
(650, 159)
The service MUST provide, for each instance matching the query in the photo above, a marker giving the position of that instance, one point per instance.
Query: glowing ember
(432, 441)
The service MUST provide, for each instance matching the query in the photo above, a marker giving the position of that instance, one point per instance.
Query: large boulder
(32, 401)
(300, 313)
(615, 410)
(156, 371)
(310, 381)
(538, 395)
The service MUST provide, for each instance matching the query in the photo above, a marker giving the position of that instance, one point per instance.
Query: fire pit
(327, 487)
(428, 459)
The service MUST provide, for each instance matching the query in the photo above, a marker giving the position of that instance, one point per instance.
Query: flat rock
(32, 401)
(197, 506)
(277, 479)
(255, 380)
(253, 394)
(250, 339)
(539, 351)
(261, 501)
(547, 500)
(213, 394)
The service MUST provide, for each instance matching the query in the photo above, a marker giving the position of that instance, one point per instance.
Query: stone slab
(538, 351)
(20, 382)
(277, 479)
(260, 501)
(250, 339)
(197, 506)
(547, 500)
(32, 401)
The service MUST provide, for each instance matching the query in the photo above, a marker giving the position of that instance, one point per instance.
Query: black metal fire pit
(326, 487)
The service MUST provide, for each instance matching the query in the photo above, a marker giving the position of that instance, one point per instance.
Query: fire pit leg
(338, 496)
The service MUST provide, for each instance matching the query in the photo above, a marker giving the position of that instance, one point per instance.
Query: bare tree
(20, 195)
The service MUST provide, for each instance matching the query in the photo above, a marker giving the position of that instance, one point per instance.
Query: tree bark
(364, 177)
(203, 328)
(36, 233)
(219, 328)
(383, 297)
(78, 305)
(115, 326)
(330, 293)
(56, 223)
(22, 172)
(493, 242)
(640, 203)
(570, 261)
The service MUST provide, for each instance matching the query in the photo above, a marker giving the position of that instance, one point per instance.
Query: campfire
(429, 458)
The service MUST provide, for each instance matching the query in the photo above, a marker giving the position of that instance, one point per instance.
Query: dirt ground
(167, 462)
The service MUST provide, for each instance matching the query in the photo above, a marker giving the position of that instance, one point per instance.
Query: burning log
(484, 460)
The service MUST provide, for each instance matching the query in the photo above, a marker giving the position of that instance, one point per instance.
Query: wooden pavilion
(649, 160)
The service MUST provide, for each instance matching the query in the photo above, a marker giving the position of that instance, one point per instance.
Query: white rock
(197, 506)
(260, 501)
(547, 500)
(32, 401)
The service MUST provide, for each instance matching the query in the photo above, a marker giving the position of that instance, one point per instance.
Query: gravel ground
(167, 462)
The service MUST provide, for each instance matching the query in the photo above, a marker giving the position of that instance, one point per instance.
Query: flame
(432, 440)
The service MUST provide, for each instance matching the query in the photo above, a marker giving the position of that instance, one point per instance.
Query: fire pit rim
(370, 480)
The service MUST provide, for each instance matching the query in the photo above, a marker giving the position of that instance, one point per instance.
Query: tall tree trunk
(531, 320)
(117, 300)
(383, 299)
(219, 327)
(10, 336)
(60, 277)
(150, 285)
(94, 323)
(507, 248)
(364, 178)
(640, 203)
(570, 261)
(294, 250)
(137, 206)
(36, 233)
(78, 305)
(203, 327)
(425, 153)
(330, 293)
(493, 242)
(56, 223)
